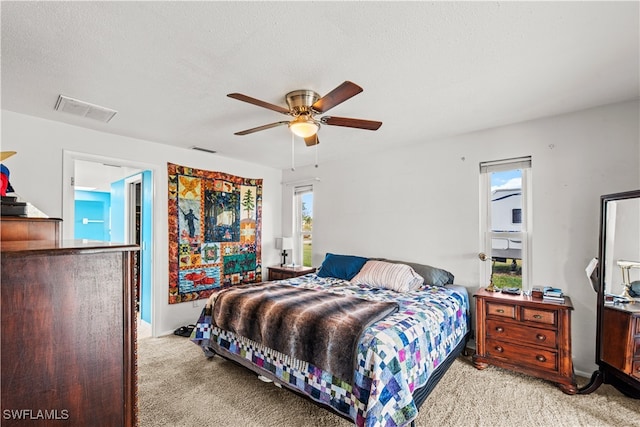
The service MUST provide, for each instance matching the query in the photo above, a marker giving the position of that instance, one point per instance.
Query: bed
(416, 323)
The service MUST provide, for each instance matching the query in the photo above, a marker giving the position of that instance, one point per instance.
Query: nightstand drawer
(524, 356)
(279, 275)
(288, 272)
(526, 335)
(537, 315)
(502, 310)
(636, 347)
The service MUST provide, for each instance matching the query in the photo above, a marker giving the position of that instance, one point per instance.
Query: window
(506, 222)
(303, 225)
(516, 216)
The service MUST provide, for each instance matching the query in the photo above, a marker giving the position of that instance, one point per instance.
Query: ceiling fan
(304, 105)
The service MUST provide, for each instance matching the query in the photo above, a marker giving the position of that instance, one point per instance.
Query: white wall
(420, 203)
(37, 170)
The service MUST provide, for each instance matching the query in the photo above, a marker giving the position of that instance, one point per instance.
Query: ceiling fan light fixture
(304, 105)
(304, 127)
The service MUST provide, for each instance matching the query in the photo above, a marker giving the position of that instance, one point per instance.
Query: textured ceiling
(428, 69)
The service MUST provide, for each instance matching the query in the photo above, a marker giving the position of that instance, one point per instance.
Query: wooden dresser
(525, 335)
(284, 272)
(621, 349)
(22, 228)
(68, 334)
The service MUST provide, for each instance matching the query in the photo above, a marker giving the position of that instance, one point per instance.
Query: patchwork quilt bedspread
(395, 355)
(322, 328)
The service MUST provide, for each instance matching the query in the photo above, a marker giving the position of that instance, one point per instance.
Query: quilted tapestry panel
(215, 222)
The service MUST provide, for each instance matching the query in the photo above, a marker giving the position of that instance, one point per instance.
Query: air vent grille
(206, 150)
(84, 109)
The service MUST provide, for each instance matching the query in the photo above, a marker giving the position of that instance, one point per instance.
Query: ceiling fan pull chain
(293, 152)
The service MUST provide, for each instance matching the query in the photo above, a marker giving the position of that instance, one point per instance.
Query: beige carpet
(179, 387)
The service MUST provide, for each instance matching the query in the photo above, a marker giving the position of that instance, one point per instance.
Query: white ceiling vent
(84, 109)
(206, 150)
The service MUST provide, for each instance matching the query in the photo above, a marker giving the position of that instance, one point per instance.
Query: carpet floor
(179, 387)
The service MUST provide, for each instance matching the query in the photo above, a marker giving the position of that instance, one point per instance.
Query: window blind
(302, 189)
(506, 164)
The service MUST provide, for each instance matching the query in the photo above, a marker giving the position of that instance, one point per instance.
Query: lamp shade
(284, 243)
(287, 243)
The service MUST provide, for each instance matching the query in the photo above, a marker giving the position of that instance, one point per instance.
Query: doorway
(126, 189)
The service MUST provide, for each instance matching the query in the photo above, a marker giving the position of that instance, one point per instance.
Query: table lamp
(625, 266)
(284, 244)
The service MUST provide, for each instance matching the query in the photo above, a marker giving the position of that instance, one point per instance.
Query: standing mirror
(618, 321)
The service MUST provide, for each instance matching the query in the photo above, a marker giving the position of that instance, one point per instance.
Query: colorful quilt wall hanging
(215, 222)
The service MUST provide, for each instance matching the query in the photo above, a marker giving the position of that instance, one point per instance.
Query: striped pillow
(380, 274)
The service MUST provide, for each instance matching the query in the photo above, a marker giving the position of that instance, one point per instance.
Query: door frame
(130, 207)
(68, 202)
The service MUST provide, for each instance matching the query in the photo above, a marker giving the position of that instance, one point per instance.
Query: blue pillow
(341, 266)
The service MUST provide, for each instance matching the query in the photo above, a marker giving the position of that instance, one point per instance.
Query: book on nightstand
(552, 294)
(550, 291)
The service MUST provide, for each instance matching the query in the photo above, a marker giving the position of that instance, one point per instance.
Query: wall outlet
(195, 303)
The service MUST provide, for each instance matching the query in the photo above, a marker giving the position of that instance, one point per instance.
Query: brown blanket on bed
(317, 327)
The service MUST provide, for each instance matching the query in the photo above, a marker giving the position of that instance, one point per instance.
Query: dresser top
(24, 247)
(521, 299)
(628, 307)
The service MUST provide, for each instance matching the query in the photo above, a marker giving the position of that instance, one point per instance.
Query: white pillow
(380, 274)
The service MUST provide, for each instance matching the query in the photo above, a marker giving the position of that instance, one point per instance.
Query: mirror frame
(604, 200)
(606, 373)
(605, 239)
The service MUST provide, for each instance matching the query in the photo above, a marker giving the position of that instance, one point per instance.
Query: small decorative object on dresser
(286, 272)
(526, 335)
(536, 292)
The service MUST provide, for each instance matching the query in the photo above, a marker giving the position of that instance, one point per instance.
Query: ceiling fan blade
(312, 140)
(337, 96)
(259, 128)
(254, 101)
(351, 123)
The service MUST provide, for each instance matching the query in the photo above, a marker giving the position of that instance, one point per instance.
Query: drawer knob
(500, 310)
(499, 329)
(499, 349)
(541, 337)
(541, 358)
(537, 316)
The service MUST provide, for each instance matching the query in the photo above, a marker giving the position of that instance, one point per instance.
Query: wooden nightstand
(525, 335)
(280, 273)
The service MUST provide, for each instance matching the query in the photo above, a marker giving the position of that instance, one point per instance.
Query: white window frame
(298, 233)
(526, 233)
